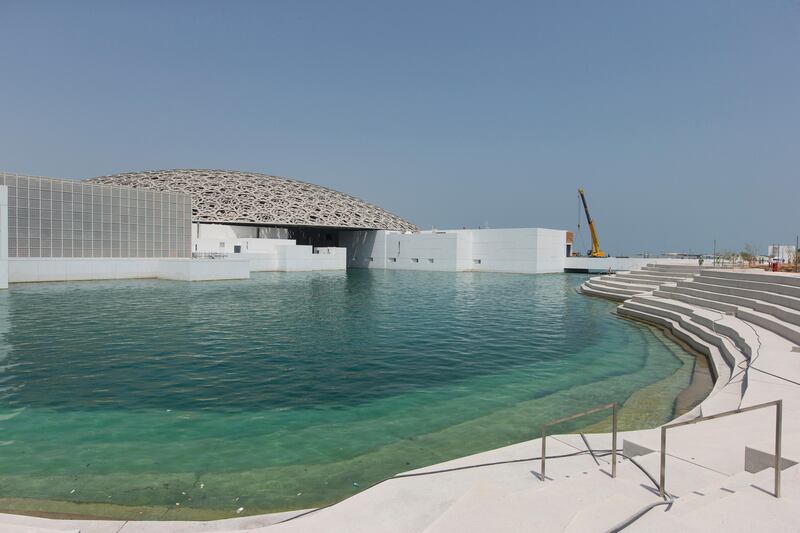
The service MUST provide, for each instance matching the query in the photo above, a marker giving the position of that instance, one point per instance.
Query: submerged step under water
(157, 399)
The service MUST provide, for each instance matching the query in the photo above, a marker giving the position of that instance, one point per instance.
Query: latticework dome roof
(226, 196)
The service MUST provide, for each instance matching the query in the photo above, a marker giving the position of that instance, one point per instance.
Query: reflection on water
(284, 390)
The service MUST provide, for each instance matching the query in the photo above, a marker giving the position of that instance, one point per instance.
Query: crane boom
(596, 251)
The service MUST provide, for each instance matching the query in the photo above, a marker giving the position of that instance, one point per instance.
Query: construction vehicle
(595, 251)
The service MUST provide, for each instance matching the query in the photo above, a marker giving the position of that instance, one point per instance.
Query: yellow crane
(596, 251)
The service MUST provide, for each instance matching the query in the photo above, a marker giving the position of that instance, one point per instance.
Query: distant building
(781, 252)
(196, 224)
(179, 224)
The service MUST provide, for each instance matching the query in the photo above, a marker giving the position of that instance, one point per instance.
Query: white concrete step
(771, 323)
(687, 318)
(485, 507)
(719, 366)
(590, 290)
(248, 524)
(727, 392)
(638, 276)
(682, 477)
(729, 327)
(760, 276)
(663, 275)
(549, 509)
(746, 511)
(602, 285)
(767, 285)
(613, 281)
(32, 524)
(782, 314)
(733, 484)
(720, 445)
(413, 503)
(780, 320)
(765, 296)
(675, 273)
(661, 520)
(26, 529)
(603, 515)
(671, 267)
(674, 294)
(20, 528)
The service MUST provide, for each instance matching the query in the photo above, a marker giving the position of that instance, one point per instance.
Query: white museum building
(194, 224)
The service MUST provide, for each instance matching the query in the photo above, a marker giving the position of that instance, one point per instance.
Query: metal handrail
(209, 255)
(613, 407)
(778, 431)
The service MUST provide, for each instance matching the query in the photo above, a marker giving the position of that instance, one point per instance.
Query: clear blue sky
(681, 119)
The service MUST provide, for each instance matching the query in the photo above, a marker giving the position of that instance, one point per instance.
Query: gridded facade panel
(62, 218)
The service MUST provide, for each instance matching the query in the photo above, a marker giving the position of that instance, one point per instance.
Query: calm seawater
(291, 390)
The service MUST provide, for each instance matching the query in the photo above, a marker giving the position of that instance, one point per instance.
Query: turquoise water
(165, 399)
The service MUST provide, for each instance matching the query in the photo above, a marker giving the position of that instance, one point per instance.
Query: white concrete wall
(222, 238)
(551, 250)
(222, 231)
(602, 264)
(3, 237)
(465, 252)
(78, 269)
(365, 249)
(519, 250)
(265, 245)
(24, 270)
(203, 269)
(262, 262)
(248, 245)
(330, 258)
(292, 258)
(398, 251)
(226, 231)
(302, 258)
(422, 251)
(284, 257)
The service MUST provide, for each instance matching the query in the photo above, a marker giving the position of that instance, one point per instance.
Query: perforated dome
(226, 196)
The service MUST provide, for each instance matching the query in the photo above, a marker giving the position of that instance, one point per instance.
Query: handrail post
(612, 406)
(663, 461)
(778, 435)
(544, 447)
(614, 441)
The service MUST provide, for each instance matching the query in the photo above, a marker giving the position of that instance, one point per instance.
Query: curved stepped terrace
(621, 286)
(718, 472)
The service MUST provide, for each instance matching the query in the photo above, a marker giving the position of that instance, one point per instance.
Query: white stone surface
(29, 270)
(515, 250)
(222, 238)
(204, 269)
(266, 254)
(603, 264)
(271, 255)
(80, 269)
(303, 258)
